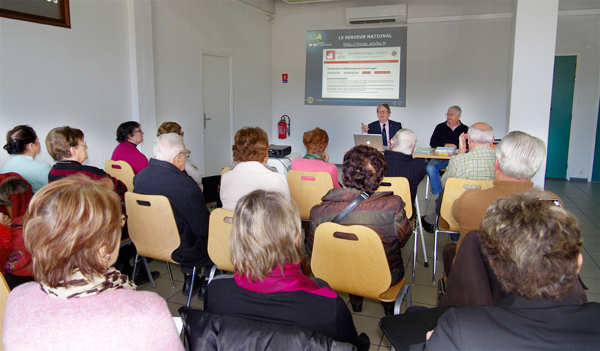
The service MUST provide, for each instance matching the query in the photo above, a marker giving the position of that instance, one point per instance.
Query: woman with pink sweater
(316, 159)
(78, 300)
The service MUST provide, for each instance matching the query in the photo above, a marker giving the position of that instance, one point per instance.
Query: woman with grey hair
(268, 285)
(401, 162)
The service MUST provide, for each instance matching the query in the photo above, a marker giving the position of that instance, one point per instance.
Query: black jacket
(207, 331)
(189, 209)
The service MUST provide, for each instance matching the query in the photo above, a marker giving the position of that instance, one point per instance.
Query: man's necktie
(384, 135)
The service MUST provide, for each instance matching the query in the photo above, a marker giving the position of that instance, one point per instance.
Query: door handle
(206, 119)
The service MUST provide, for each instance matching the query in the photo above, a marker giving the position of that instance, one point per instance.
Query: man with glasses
(165, 175)
(384, 126)
(446, 134)
(129, 136)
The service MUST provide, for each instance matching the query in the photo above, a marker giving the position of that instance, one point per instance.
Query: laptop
(373, 140)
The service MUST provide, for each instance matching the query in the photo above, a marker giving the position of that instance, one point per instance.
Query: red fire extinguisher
(284, 127)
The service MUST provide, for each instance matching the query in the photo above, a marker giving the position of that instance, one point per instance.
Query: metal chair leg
(435, 254)
(427, 189)
(213, 270)
(415, 251)
(148, 272)
(135, 261)
(420, 227)
(404, 295)
(170, 275)
(191, 287)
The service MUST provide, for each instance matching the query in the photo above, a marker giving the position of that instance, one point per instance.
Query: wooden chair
(224, 170)
(400, 186)
(120, 170)
(219, 230)
(307, 189)
(153, 230)
(4, 291)
(446, 223)
(351, 259)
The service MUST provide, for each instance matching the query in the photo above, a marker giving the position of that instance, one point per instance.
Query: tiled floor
(581, 198)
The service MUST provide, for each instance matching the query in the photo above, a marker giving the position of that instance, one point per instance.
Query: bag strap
(362, 197)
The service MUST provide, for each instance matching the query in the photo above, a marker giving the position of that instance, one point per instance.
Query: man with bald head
(477, 163)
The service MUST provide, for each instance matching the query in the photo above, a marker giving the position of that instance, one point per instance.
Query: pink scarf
(291, 279)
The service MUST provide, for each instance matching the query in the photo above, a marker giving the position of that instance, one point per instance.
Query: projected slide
(356, 67)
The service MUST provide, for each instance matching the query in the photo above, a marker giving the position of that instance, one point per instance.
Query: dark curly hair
(125, 130)
(315, 141)
(18, 138)
(532, 245)
(251, 144)
(363, 168)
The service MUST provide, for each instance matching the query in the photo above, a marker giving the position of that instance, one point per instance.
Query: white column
(141, 53)
(534, 43)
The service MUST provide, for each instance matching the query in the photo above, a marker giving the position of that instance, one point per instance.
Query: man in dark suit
(384, 125)
(534, 248)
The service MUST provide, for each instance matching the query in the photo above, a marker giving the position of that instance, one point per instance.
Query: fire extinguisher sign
(284, 78)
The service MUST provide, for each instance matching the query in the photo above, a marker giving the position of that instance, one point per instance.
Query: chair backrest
(224, 170)
(152, 226)
(452, 191)
(219, 231)
(120, 170)
(351, 259)
(307, 189)
(4, 291)
(400, 187)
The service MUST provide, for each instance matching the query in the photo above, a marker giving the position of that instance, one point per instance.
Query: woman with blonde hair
(316, 159)
(249, 170)
(72, 229)
(190, 168)
(268, 285)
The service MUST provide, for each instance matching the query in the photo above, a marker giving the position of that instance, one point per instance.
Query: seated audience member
(401, 163)
(316, 159)
(23, 144)
(533, 247)
(190, 168)
(72, 229)
(249, 170)
(268, 285)
(165, 175)
(477, 163)
(67, 148)
(129, 136)
(517, 159)
(446, 134)
(363, 168)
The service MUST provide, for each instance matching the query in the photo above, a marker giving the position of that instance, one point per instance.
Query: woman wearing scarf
(268, 284)
(78, 300)
(316, 159)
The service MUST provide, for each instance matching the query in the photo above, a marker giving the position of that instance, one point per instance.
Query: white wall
(182, 30)
(448, 63)
(580, 35)
(52, 76)
(82, 77)
(465, 63)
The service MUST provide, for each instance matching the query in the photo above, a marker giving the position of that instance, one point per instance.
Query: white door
(217, 102)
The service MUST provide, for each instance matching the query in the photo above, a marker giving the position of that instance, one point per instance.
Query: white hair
(520, 155)
(168, 146)
(456, 109)
(404, 141)
(481, 136)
